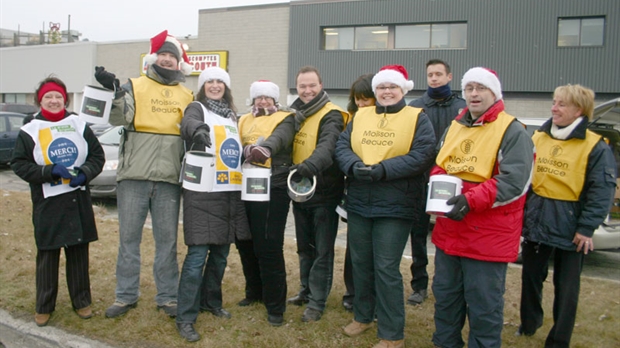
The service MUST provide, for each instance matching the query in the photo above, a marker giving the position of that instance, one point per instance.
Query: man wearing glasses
(493, 156)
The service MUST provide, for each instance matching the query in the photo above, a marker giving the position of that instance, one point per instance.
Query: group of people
(381, 153)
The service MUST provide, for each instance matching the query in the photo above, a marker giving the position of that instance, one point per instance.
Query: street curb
(47, 336)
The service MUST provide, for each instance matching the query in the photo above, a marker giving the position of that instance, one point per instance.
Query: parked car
(104, 185)
(606, 122)
(25, 109)
(99, 129)
(10, 122)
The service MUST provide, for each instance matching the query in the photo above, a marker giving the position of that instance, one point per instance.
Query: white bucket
(297, 196)
(440, 189)
(96, 105)
(255, 184)
(198, 171)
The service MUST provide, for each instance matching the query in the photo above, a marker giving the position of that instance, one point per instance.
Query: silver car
(104, 185)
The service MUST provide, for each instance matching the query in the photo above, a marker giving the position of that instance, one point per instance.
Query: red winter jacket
(492, 228)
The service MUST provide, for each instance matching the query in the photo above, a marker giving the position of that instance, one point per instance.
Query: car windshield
(111, 137)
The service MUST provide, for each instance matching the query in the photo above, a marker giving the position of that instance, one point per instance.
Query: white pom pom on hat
(264, 88)
(214, 73)
(483, 76)
(396, 74)
(158, 41)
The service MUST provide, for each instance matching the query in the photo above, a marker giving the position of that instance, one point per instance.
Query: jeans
(377, 246)
(473, 288)
(135, 199)
(200, 286)
(316, 229)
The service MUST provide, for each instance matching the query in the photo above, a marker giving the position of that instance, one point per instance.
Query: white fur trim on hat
(395, 74)
(264, 88)
(483, 76)
(213, 73)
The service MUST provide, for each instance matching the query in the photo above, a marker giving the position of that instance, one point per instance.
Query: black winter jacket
(401, 192)
(330, 181)
(440, 112)
(66, 219)
(554, 222)
(210, 217)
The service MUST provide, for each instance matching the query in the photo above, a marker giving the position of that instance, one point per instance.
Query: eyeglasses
(262, 97)
(391, 88)
(479, 88)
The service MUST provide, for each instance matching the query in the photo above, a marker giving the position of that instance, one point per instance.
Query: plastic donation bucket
(198, 171)
(299, 188)
(440, 189)
(96, 105)
(255, 183)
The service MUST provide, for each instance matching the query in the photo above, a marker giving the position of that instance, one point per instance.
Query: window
(581, 31)
(15, 122)
(371, 38)
(425, 36)
(338, 38)
(385, 37)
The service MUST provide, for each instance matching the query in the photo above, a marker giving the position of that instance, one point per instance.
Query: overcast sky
(112, 20)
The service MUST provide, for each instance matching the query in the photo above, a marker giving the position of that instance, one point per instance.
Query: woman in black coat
(58, 154)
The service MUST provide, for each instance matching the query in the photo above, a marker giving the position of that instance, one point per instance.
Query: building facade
(533, 45)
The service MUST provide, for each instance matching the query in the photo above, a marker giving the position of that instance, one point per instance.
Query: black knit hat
(170, 48)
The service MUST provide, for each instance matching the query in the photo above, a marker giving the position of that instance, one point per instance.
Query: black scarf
(439, 93)
(302, 111)
(221, 108)
(167, 76)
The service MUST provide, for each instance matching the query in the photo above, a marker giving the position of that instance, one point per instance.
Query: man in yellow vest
(149, 163)
(318, 124)
(493, 156)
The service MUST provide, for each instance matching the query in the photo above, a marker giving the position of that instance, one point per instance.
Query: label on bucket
(93, 107)
(192, 174)
(442, 190)
(257, 186)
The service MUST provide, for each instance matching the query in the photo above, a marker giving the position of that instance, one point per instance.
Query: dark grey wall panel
(517, 38)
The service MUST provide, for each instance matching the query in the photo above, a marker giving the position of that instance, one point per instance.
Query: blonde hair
(579, 96)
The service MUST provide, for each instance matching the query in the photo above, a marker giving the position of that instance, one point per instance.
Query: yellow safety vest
(470, 153)
(560, 169)
(308, 134)
(376, 137)
(252, 128)
(159, 108)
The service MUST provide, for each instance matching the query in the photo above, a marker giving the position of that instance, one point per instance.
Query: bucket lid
(298, 196)
(199, 153)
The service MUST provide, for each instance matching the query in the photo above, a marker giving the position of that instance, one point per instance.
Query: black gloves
(461, 207)
(78, 180)
(361, 172)
(60, 171)
(377, 172)
(366, 173)
(106, 78)
(304, 170)
(202, 137)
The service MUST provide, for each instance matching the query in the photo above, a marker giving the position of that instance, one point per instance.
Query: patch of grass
(597, 325)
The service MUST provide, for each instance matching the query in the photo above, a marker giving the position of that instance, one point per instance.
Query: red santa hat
(163, 42)
(483, 76)
(264, 88)
(396, 74)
